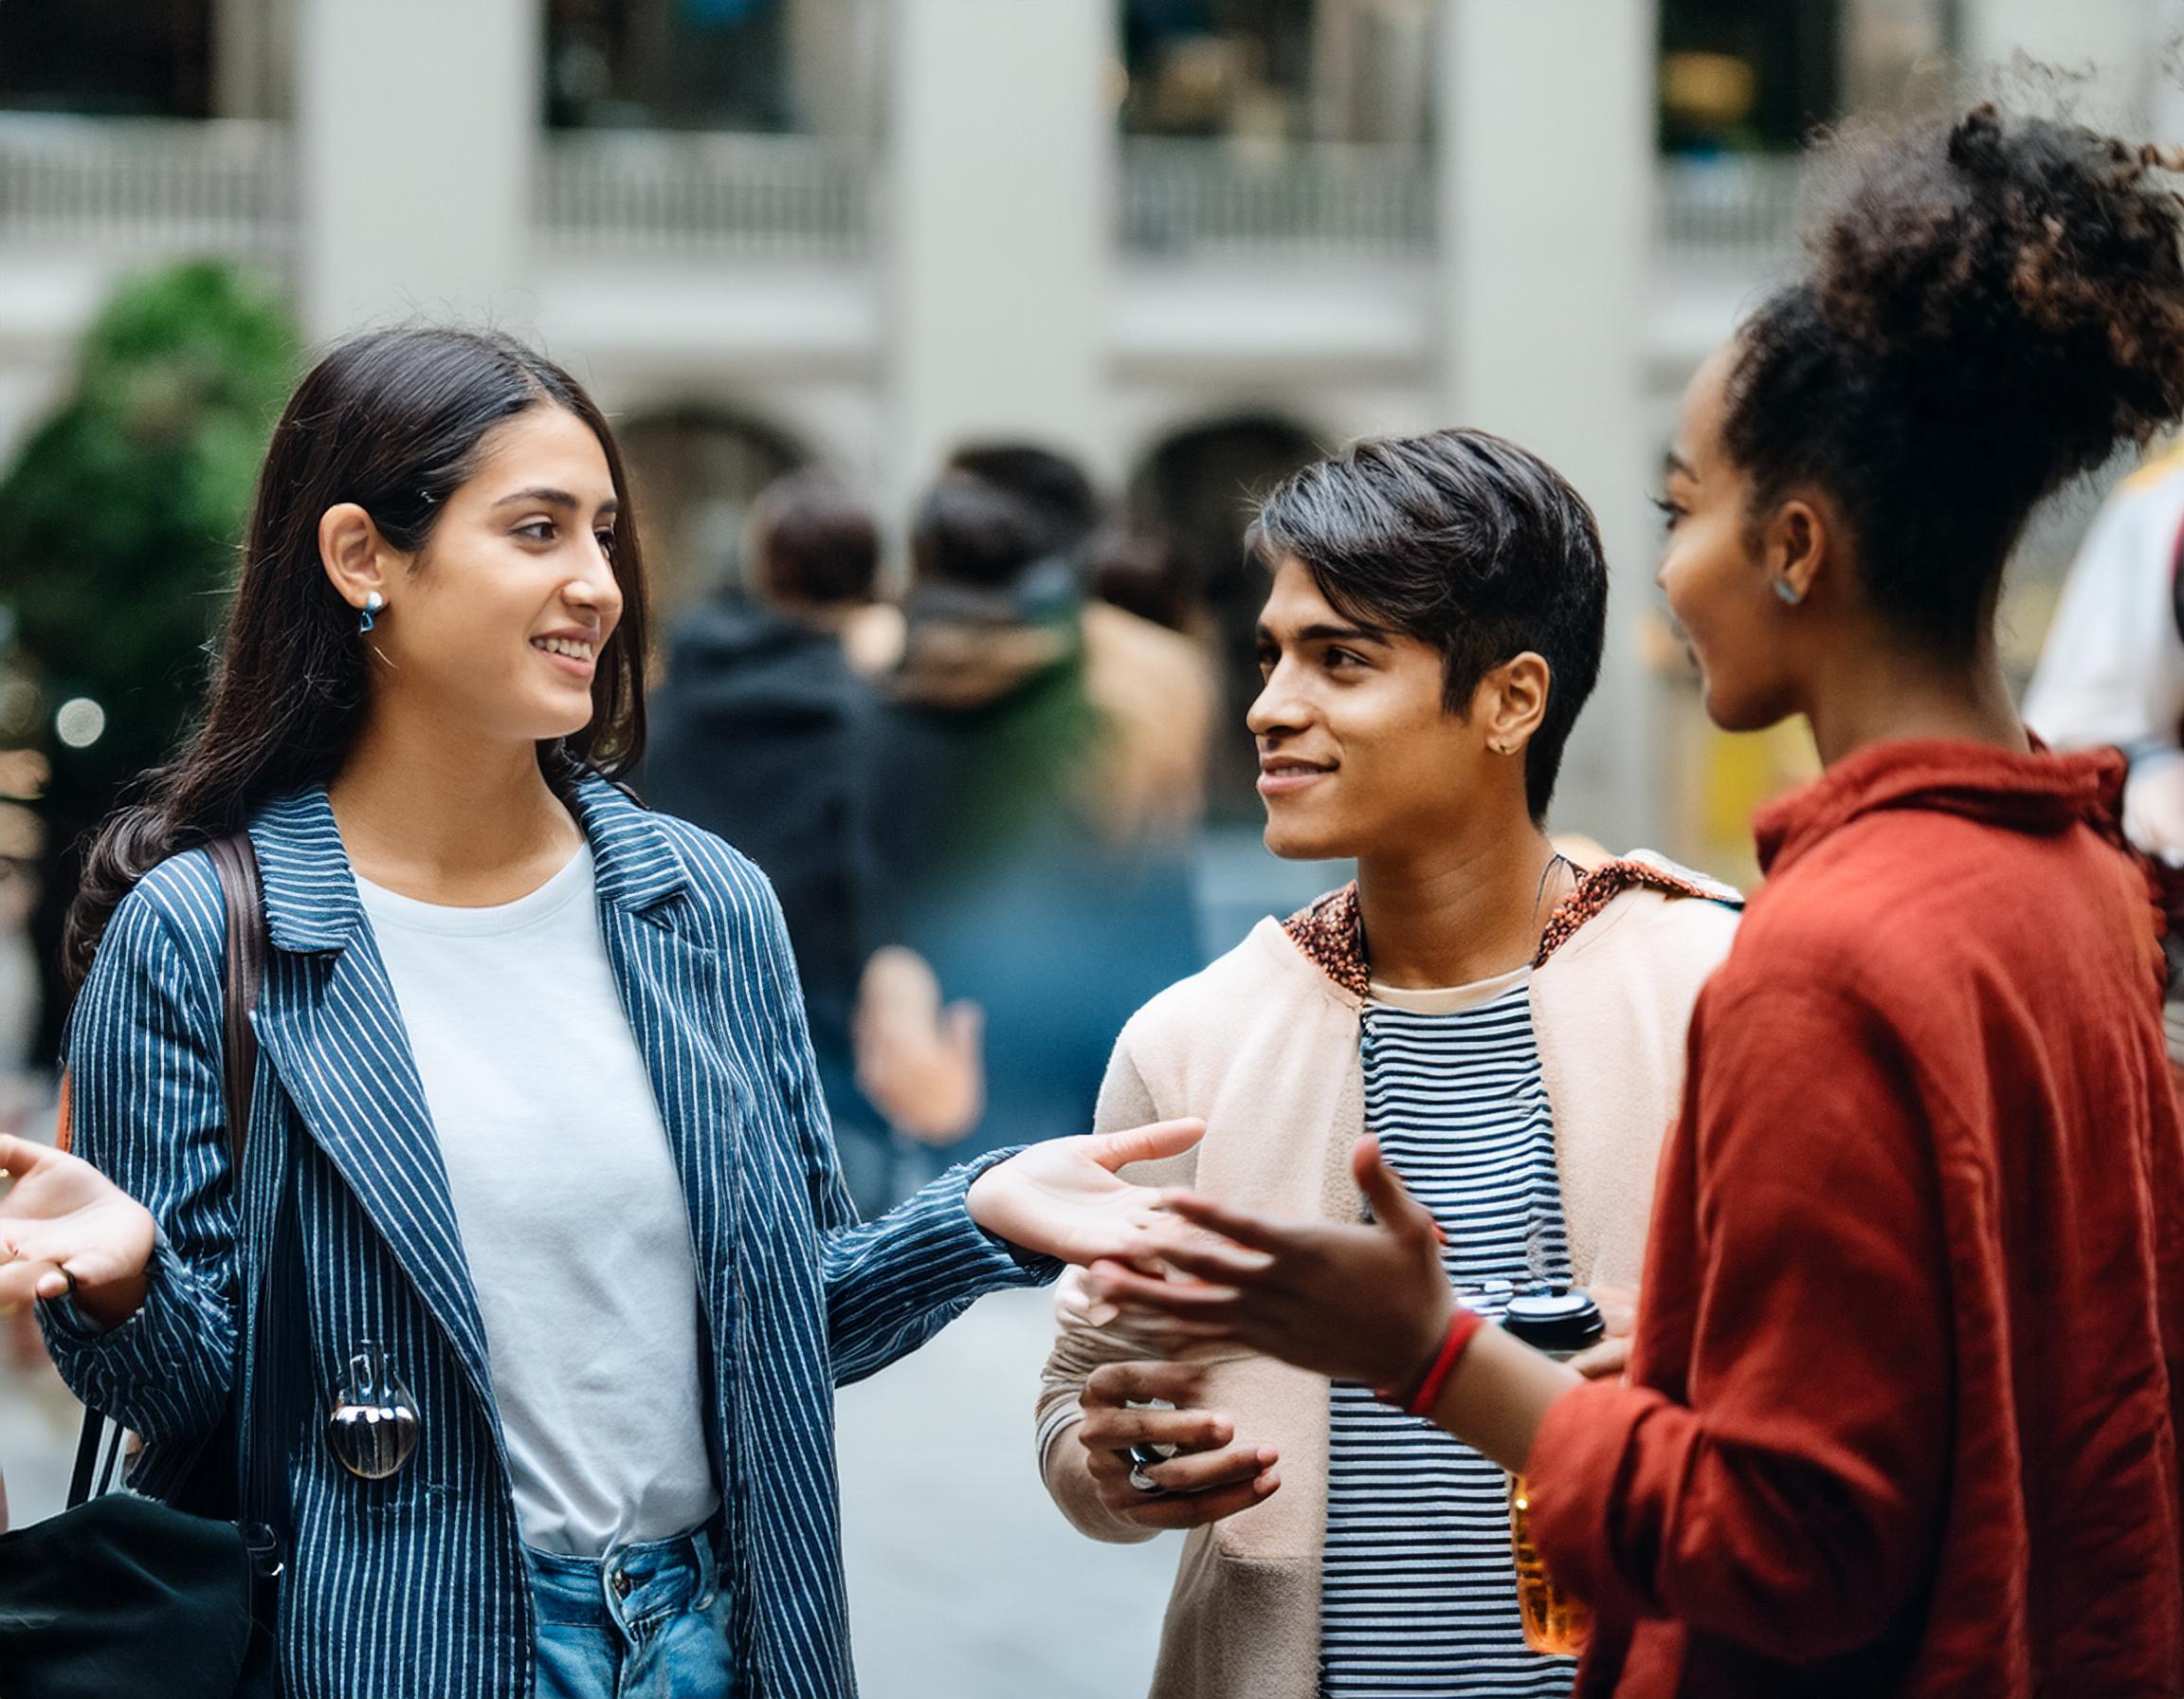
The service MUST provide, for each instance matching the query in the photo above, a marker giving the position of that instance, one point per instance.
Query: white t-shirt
(572, 1213)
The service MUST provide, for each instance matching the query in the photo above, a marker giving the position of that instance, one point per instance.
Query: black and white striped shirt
(1418, 1595)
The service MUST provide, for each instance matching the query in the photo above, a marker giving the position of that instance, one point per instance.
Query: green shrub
(119, 521)
(120, 515)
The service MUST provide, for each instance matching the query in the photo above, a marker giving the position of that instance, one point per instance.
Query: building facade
(1186, 239)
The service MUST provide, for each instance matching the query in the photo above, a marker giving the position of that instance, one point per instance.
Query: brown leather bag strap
(237, 865)
(260, 1475)
(242, 898)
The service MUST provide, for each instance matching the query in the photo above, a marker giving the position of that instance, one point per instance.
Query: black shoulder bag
(122, 1595)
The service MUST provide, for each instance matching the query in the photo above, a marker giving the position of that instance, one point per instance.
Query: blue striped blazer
(416, 1585)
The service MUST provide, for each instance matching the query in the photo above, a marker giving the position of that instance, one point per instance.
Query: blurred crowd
(977, 799)
(978, 802)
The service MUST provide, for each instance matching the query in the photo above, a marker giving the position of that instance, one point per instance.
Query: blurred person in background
(2111, 671)
(1060, 503)
(1905, 1398)
(1143, 569)
(753, 735)
(1509, 1024)
(1037, 779)
(2112, 674)
(1149, 672)
(1056, 488)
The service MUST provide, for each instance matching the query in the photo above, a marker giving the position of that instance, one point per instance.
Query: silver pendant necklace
(371, 1429)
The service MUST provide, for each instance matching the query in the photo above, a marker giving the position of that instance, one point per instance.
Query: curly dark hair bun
(1991, 307)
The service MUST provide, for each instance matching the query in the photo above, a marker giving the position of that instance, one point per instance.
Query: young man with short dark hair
(1509, 1025)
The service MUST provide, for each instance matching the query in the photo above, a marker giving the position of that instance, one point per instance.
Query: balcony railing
(135, 185)
(1190, 197)
(781, 196)
(1737, 205)
(229, 187)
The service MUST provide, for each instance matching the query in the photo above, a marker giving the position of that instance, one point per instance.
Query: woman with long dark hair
(534, 1098)
(1905, 1394)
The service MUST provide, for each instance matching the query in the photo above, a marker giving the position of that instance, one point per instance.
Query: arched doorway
(695, 471)
(1198, 487)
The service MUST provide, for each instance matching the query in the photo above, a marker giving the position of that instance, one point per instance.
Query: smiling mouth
(1277, 776)
(570, 647)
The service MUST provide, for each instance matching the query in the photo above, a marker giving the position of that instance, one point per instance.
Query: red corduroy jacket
(1904, 1399)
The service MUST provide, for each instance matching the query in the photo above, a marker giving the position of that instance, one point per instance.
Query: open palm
(1063, 1198)
(61, 1213)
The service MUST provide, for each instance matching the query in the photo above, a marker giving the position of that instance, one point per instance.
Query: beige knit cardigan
(1265, 1045)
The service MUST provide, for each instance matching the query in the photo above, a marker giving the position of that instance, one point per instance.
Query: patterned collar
(1331, 932)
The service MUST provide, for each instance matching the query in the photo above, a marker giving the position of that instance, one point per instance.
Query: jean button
(619, 1581)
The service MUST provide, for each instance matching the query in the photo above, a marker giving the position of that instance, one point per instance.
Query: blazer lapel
(669, 978)
(671, 981)
(328, 1023)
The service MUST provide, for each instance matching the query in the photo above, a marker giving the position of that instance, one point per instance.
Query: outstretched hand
(64, 1224)
(1369, 1304)
(1062, 1198)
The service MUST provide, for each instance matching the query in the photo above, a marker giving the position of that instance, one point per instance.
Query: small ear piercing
(1789, 592)
(368, 616)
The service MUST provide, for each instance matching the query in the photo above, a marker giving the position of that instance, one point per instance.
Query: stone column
(417, 129)
(1546, 139)
(994, 213)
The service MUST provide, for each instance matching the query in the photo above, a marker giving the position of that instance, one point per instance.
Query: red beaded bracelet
(1463, 1325)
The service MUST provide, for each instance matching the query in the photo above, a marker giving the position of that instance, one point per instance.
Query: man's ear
(357, 559)
(1510, 703)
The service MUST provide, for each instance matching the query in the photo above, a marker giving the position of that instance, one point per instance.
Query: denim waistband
(631, 1586)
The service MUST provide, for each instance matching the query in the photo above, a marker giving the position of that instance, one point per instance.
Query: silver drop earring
(368, 616)
(1789, 592)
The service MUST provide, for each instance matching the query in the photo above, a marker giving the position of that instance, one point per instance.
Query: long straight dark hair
(393, 421)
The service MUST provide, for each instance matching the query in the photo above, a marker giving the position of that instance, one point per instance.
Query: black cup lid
(1554, 1321)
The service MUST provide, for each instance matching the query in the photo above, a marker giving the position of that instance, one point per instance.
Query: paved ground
(964, 1580)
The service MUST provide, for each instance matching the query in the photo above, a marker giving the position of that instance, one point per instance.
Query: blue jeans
(644, 1622)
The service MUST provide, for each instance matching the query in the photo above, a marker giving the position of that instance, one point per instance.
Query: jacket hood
(731, 653)
(2036, 792)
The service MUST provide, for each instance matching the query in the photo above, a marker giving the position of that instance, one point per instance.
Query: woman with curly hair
(1902, 1406)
